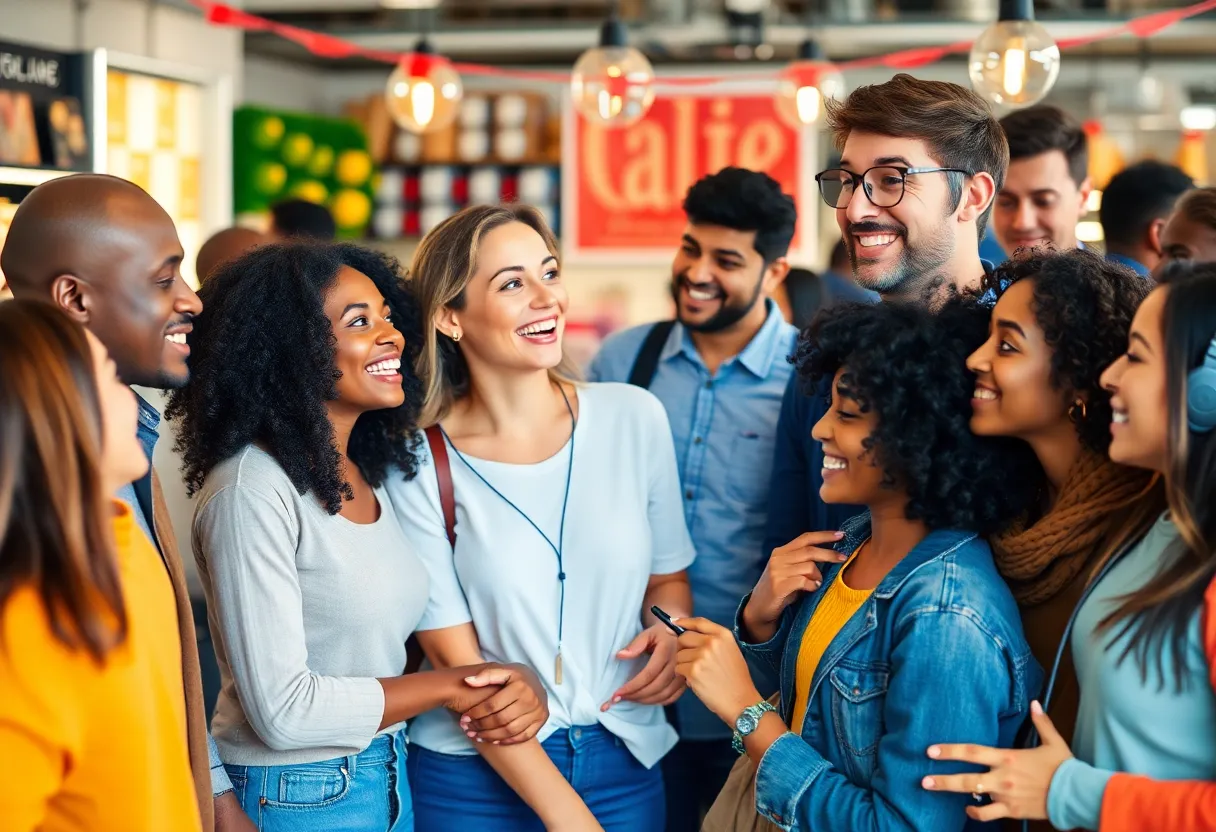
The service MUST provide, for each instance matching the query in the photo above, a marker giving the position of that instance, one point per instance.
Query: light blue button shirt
(725, 427)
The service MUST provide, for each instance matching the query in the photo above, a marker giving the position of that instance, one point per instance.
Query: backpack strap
(443, 472)
(647, 360)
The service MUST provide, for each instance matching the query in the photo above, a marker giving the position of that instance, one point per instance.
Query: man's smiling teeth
(538, 328)
(984, 393)
(868, 240)
(835, 463)
(702, 294)
(387, 367)
(1119, 417)
(177, 338)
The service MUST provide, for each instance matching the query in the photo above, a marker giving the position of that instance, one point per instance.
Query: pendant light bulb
(1015, 62)
(805, 85)
(612, 84)
(423, 93)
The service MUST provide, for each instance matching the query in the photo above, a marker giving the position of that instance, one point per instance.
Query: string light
(1015, 62)
(805, 85)
(612, 84)
(424, 91)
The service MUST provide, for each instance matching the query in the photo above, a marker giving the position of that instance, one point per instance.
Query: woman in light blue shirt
(568, 528)
(1143, 662)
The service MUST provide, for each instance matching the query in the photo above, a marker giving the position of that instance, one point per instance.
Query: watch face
(745, 724)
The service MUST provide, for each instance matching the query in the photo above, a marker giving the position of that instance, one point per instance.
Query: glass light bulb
(612, 86)
(1014, 63)
(423, 94)
(803, 89)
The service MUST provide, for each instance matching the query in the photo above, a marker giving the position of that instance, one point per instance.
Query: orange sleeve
(1133, 803)
(41, 729)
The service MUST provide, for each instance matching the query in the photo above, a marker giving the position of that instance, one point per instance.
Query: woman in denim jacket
(916, 635)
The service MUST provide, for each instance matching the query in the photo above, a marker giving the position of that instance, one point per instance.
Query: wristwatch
(748, 722)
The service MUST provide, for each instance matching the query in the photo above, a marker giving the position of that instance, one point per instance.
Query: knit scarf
(1040, 561)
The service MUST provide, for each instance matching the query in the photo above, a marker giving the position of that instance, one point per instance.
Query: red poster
(624, 187)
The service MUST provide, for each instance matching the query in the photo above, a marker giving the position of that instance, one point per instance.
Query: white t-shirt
(624, 523)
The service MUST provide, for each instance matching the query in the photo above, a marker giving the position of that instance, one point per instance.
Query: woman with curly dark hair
(1059, 320)
(301, 392)
(1144, 634)
(910, 632)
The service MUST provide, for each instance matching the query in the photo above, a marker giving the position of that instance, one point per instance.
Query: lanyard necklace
(561, 535)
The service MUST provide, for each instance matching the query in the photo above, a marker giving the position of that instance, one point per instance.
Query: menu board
(154, 128)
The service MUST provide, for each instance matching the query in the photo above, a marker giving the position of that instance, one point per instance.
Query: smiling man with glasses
(921, 162)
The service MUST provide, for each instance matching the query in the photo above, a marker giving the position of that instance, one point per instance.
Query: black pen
(666, 619)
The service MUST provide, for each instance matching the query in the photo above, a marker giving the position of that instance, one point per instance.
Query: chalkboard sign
(43, 108)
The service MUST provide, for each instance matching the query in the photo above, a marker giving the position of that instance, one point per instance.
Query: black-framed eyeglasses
(883, 185)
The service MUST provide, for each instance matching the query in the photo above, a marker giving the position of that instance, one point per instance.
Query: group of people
(939, 559)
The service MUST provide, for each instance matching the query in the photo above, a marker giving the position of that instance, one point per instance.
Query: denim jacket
(935, 654)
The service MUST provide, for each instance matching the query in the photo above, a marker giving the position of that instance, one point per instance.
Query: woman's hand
(790, 570)
(502, 704)
(1017, 779)
(657, 682)
(715, 669)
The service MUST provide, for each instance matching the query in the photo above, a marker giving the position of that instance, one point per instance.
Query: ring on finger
(978, 794)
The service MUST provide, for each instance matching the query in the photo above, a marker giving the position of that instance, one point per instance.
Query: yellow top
(89, 747)
(835, 609)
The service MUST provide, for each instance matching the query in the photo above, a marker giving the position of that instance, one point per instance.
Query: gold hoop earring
(455, 334)
(1077, 411)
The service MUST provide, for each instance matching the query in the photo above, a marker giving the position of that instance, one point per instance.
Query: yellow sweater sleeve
(42, 687)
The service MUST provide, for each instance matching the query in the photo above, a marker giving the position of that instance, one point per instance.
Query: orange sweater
(1133, 803)
(89, 747)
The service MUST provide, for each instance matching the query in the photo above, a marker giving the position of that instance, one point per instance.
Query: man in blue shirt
(1047, 186)
(719, 369)
(1135, 206)
(921, 163)
(106, 253)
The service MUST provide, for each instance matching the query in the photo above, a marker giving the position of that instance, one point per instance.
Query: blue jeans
(463, 792)
(366, 792)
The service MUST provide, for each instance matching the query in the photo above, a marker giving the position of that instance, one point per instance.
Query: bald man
(223, 246)
(107, 254)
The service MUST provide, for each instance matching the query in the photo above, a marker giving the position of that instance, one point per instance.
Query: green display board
(281, 155)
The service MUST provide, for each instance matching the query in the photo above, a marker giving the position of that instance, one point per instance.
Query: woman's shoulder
(962, 578)
(617, 401)
(250, 469)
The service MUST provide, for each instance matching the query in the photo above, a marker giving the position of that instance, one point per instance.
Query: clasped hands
(502, 704)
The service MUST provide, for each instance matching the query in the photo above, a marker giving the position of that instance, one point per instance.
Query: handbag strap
(443, 472)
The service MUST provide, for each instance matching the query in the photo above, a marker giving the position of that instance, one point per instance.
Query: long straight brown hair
(55, 517)
(1157, 616)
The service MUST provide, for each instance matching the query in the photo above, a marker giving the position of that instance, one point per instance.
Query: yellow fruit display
(268, 132)
(269, 178)
(351, 208)
(322, 161)
(311, 190)
(297, 149)
(354, 167)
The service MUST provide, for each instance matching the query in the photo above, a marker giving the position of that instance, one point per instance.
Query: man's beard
(918, 266)
(728, 314)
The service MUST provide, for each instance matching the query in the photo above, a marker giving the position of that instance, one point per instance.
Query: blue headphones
(1201, 393)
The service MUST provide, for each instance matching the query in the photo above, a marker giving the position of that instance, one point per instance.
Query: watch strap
(756, 712)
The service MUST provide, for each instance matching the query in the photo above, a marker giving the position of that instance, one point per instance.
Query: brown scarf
(1040, 561)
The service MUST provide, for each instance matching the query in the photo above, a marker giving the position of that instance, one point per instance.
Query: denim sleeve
(1074, 800)
(220, 784)
(766, 656)
(789, 483)
(949, 682)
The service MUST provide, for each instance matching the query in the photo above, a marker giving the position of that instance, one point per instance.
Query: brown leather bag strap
(443, 472)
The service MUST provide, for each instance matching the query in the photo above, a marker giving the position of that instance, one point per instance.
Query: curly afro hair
(263, 367)
(908, 365)
(1084, 304)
